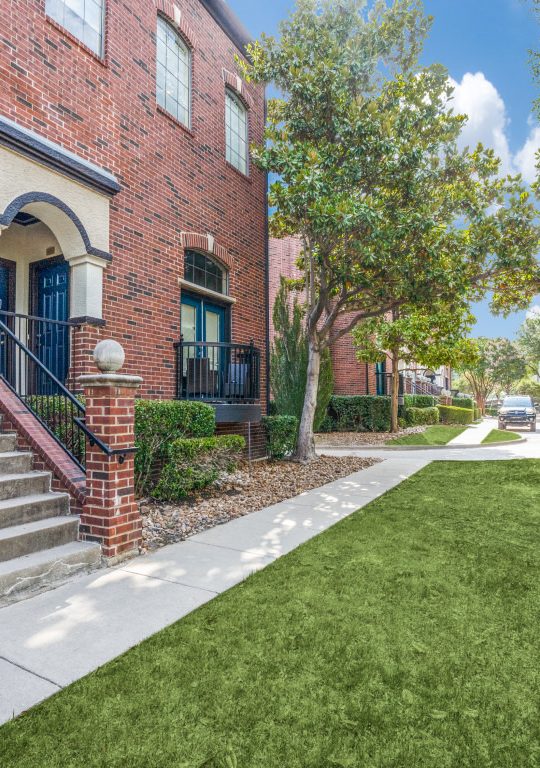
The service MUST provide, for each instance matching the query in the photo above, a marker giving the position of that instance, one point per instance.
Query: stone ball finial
(109, 356)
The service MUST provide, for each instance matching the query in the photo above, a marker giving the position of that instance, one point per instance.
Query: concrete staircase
(38, 536)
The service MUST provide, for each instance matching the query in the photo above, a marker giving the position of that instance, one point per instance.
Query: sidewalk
(48, 641)
(474, 434)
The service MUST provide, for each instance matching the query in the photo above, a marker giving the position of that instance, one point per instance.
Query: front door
(203, 364)
(6, 300)
(52, 303)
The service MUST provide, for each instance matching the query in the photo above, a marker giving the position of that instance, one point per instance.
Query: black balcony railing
(407, 386)
(217, 372)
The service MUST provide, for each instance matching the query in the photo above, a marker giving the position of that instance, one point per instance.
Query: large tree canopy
(497, 368)
(390, 212)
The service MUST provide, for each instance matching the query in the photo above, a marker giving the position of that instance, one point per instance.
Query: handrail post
(111, 514)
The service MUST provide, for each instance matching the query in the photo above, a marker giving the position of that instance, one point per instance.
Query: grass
(404, 637)
(501, 436)
(436, 435)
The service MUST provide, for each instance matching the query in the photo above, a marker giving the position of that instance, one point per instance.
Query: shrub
(492, 411)
(360, 413)
(419, 401)
(195, 463)
(157, 424)
(463, 402)
(417, 416)
(477, 413)
(281, 433)
(449, 414)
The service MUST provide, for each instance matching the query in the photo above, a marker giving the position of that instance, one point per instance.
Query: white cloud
(477, 97)
(534, 311)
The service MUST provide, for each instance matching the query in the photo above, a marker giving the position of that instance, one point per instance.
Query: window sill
(194, 288)
(75, 40)
(242, 175)
(174, 120)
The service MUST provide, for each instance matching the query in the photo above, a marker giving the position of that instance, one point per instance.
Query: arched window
(173, 73)
(201, 270)
(236, 132)
(83, 18)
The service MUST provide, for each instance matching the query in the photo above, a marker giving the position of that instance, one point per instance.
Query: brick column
(111, 514)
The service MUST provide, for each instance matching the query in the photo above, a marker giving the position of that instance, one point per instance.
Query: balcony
(222, 374)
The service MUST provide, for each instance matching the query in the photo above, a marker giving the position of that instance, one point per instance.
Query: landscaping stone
(250, 488)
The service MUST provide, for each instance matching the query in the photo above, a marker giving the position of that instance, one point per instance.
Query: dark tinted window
(203, 271)
(519, 402)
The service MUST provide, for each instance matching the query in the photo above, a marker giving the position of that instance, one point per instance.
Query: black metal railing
(58, 410)
(407, 385)
(217, 372)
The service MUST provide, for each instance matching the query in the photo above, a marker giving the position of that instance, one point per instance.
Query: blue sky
(484, 44)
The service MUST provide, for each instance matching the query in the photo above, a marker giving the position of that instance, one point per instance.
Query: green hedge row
(415, 417)
(281, 434)
(195, 463)
(358, 413)
(449, 414)
(419, 401)
(464, 402)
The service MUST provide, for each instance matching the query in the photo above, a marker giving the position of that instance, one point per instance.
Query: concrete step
(8, 441)
(24, 484)
(19, 540)
(13, 462)
(28, 509)
(25, 576)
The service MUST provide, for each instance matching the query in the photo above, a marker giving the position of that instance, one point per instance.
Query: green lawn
(404, 637)
(436, 435)
(501, 436)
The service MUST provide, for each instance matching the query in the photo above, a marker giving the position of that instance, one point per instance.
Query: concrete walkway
(474, 434)
(48, 641)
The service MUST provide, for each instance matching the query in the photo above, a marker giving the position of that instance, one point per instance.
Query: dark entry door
(5, 306)
(52, 303)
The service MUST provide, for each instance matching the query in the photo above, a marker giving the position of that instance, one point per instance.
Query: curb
(418, 447)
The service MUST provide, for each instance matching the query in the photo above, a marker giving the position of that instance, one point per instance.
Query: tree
(498, 366)
(389, 211)
(529, 342)
(429, 337)
(289, 358)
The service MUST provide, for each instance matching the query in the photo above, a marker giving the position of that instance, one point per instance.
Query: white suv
(517, 410)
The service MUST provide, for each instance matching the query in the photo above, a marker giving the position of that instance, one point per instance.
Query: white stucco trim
(220, 297)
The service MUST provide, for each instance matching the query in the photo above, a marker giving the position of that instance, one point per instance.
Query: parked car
(517, 410)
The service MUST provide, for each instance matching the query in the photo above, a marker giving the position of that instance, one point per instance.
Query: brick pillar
(110, 514)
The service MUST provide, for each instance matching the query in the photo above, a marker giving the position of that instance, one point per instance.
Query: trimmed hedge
(359, 413)
(419, 401)
(464, 402)
(492, 411)
(157, 424)
(195, 463)
(418, 416)
(477, 413)
(281, 434)
(449, 414)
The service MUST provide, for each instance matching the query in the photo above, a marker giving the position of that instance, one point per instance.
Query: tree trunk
(305, 447)
(394, 425)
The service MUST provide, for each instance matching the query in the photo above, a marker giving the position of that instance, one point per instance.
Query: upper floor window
(202, 270)
(173, 73)
(236, 132)
(83, 18)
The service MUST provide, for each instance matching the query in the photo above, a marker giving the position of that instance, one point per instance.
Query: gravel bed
(359, 439)
(250, 488)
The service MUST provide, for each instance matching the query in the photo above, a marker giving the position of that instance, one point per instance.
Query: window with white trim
(173, 73)
(83, 18)
(236, 132)
(201, 270)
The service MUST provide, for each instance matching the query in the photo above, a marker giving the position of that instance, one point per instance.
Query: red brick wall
(351, 377)
(173, 180)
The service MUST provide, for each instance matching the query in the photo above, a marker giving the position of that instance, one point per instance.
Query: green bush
(417, 416)
(360, 413)
(492, 411)
(281, 433)
(419, 401)
(157, 424)
(464, 402)
(477, 413)
(449, 414)
(195, 463)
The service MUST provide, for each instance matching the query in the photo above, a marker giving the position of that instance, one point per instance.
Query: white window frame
(176, 103)
(66, 13)
(236, 132)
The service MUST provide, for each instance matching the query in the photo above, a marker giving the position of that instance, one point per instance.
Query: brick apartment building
(128, 205)
(351, 377)
(129, 210)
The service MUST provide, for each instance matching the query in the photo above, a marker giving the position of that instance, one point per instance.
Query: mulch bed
(362, 439)
(249, 489)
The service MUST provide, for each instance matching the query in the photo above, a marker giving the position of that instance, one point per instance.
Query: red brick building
(350, 376)
(128, 205)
